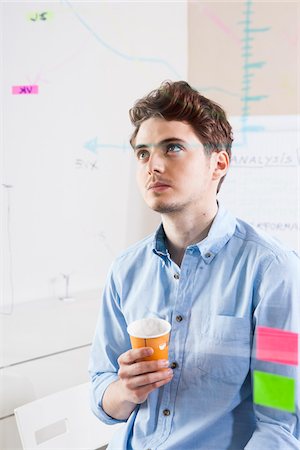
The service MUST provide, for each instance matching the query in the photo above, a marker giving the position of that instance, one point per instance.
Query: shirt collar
(159, 242)
(221, 230)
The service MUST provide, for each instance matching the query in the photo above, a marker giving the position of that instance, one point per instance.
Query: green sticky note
(274, 391)
(40, 16)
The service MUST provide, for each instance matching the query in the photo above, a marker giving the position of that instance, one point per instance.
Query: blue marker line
(255, 128)
(91, 145)
(117, 52)
(249, 69)
(140, 58)
(258, 30)
(255, 65)
(253, 98)
(123, 147)
(216, 88)
(247, 12)
(247, 54)
(94, 146)
(247, 39)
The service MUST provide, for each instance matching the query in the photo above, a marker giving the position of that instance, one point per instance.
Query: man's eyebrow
(164, 141)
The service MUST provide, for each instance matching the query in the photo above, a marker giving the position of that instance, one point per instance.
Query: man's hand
(138, 378)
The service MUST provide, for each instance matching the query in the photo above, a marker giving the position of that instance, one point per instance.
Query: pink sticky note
(277, 345)
(28, 89)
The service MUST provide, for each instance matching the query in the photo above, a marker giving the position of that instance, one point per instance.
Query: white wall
(70, 204)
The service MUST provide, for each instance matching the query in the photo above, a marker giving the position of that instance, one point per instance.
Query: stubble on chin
(165, 208)
(163, 205)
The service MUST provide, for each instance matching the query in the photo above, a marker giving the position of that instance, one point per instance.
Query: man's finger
(133, 355)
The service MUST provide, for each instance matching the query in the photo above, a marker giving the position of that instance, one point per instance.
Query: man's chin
(165, 208)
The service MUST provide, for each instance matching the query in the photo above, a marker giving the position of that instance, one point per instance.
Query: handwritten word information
(21, 90)
(40, 16)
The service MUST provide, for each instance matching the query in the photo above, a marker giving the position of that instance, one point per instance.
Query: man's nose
(156, 162)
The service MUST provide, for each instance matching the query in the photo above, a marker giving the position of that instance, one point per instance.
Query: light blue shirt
(234, 280)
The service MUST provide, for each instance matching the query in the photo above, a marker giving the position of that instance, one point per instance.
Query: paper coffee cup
(151, 332)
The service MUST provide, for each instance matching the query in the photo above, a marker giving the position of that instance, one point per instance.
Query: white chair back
(62, 420)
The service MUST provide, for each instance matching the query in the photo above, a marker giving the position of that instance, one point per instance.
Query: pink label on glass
(28, 89)
(277, 345)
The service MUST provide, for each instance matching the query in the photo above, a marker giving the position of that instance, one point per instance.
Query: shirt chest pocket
(224, 351)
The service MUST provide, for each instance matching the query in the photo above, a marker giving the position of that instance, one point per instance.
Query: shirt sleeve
(110, 340)
(277, 299)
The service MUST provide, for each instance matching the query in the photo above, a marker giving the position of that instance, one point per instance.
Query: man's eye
(142, 154)
(174, 148)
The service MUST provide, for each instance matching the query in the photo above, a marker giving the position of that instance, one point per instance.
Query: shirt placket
(180, 325)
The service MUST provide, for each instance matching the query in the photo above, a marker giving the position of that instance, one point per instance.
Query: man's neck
(184, 229)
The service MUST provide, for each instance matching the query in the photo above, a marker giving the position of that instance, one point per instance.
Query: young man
(214, 277)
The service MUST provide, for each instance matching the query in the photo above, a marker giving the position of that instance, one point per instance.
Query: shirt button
(166, 412)
(174, 365)
(179, 318)
(207, 255)
(176, 276)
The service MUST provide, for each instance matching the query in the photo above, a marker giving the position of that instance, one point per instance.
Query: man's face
(173, 172)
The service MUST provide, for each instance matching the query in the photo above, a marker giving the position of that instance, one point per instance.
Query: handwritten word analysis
(282, 160)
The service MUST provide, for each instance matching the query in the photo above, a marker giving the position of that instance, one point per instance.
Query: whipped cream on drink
(148, 327)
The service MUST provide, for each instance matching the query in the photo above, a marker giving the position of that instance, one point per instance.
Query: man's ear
(220, 161)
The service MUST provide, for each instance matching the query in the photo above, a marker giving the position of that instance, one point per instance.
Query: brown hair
(179, 101)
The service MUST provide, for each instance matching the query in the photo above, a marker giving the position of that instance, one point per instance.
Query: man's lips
(158, 186)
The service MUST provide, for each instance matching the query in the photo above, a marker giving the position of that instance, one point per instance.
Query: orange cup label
(159, 344)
